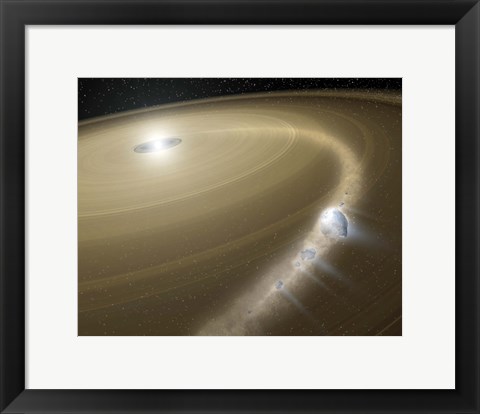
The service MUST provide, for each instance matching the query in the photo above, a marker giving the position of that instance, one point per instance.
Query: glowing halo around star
(157, 145)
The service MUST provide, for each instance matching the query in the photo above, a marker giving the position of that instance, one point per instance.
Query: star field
(103, 96)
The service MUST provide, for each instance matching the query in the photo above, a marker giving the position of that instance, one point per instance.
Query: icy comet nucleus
(333, 223)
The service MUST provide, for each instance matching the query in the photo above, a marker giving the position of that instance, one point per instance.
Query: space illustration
(239, 207)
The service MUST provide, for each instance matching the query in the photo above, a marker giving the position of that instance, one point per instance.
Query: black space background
(103, 96)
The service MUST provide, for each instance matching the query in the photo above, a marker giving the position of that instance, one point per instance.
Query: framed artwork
(239, 207)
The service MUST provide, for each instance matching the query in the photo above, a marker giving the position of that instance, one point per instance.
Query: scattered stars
(104, 96)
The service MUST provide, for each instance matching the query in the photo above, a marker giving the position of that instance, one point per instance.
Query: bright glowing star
(333, 223)
(157, 145)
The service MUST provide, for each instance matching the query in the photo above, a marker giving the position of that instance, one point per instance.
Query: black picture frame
(16, 14)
